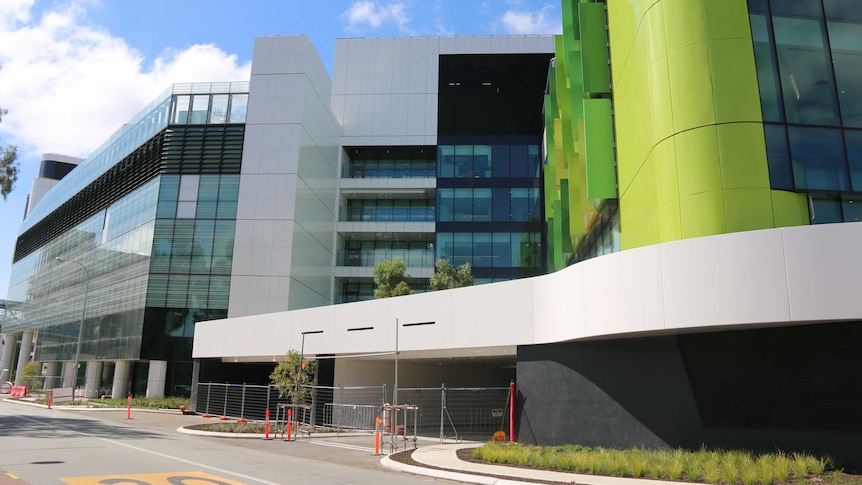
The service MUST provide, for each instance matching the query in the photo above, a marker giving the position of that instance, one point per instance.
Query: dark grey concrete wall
(701, 389)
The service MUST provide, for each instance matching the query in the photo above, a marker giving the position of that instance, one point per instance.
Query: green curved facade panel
(691, 155)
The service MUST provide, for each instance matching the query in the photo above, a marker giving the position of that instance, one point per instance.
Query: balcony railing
(387, 214)
(415, 258)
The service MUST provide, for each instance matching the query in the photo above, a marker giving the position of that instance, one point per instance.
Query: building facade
(676, 194)
(232, 199)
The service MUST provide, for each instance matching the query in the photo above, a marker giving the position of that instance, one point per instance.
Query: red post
(377, 436)
(512, 411)
(50, 397)
(266, 427)
(129, 408)
(289, 422)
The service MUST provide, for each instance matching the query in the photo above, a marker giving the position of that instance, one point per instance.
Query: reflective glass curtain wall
(809, 66)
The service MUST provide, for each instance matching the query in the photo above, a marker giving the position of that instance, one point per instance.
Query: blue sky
(73, 71)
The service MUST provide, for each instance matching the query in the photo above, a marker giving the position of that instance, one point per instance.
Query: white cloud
(68, 85)
(542, 21)
(367, 13)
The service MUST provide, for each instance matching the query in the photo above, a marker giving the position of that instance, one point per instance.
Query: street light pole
(83, 317)
(302, 359)
(393, 425)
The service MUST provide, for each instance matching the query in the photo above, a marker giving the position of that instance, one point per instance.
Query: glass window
(483, 251)
(482, 205)
(200, 108)
(223, 247)
(534, 161)
(199, 287)
(520, 205)
(219, 292)
(464, 161)
(818, 158)
(778, 157)
(400, 210)
(181, 110)
(463, 248)
(445, 205)
(444, 247)
(825, 211)
(238, 108)
(502, 205)
(482, 161)
(852, 208)
(178, 286)
(853, 138)
(202, 247)
(182, 246)
(157, 290)
(502, 252)
(501, 160)
(162, 246)
(186, 209)
(189, 187)
(770, 98)
(446, 161)
(463, 205)
(806, 72)
(168, 190)
(845, 37)
(519, 161)
(218, 114)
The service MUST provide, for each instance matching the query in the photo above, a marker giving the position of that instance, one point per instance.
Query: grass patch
(253, 428)
(137, 402)
(732, 467)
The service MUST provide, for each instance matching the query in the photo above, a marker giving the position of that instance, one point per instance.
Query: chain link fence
(450, 413)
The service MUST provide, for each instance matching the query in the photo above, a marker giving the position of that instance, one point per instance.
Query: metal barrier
(462, 413)
(250, 402)
(452, 413)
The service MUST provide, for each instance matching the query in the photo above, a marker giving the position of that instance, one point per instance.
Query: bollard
(266, 427)
(129, 408)
(50, 397)
(289, 423)
(377, 436)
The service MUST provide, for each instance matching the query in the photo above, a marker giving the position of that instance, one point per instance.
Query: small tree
(448, 276)
(390, 279)
(8, 165)
(30, 375)
(292, 375)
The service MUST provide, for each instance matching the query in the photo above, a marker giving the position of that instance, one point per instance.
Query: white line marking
(156, 453)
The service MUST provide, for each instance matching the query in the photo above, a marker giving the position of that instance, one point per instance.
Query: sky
(73, 71)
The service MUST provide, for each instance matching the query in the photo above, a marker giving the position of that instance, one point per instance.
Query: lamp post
(393, 423)
(83, 316)
(302, 361)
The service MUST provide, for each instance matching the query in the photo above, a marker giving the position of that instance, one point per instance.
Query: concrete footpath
(357, 449)
(453, 468)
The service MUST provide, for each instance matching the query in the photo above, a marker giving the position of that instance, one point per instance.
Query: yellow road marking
(13, 477)
(172, 478)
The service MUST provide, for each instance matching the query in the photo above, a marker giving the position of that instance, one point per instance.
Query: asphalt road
(40, 446)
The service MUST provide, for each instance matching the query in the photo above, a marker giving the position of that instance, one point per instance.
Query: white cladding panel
(288, 187)
(776, 276)
(739, 280)
(823, 271)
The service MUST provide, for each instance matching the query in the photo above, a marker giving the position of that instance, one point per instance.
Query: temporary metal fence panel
(472, 414)
(475, 413)
(250, 402)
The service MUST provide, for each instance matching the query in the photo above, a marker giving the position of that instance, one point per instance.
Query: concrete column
(9, 341)
(122, 371)
(156, 378)
(92, 378)
(23, 355)
(51, 374)
(69, 373)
